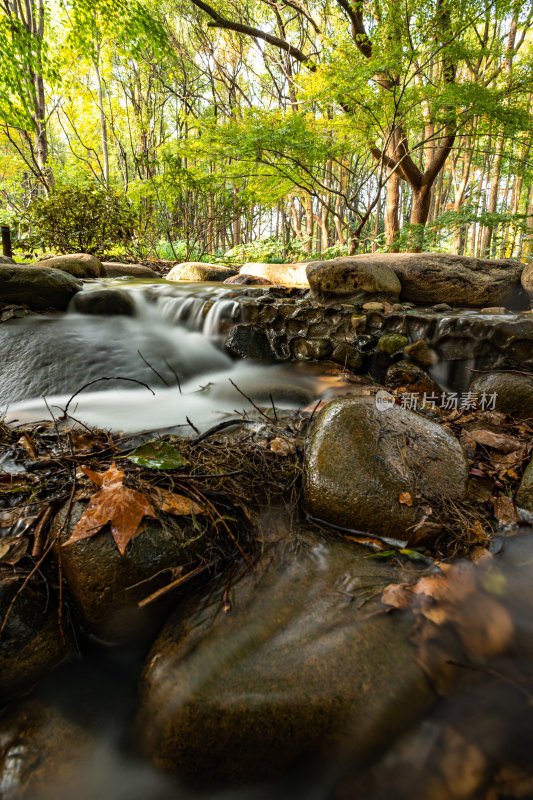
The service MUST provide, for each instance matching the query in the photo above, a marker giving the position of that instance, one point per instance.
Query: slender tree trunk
(103, 123)
(392, 212)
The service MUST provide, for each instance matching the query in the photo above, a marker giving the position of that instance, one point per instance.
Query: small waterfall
(210, 311)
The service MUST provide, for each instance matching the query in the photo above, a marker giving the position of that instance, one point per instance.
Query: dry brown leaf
(123, 508)
(423, 532)
(26, 442)
(405, 499)
(12, 549)
(281, 447)
(499, 441)
(505, 510)
(178, 504)
(397, 595)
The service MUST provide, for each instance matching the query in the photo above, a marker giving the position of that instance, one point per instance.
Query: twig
(273, 407)
(173, 584)
(97, 380)
(250, 401)
(173, 371)
(228, 423)
(314, 410)
(193, 426)
(152, 368)
(39, 533)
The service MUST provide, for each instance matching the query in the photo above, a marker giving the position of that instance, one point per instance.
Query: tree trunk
(392, 212)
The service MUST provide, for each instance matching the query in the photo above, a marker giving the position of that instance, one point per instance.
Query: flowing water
(156, 369)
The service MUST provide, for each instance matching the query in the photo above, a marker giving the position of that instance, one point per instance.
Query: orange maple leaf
(123, 508)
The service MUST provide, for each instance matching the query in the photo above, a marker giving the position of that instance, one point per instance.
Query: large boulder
(40, 289)
(248, 280)
(352, 281)
(286, 664)
(34, 639)
(113, 269)
(527, 281)
(6, 260)
(198, 271)
(429, 278)
(107, 586)
(369, 467)
(508, 392)
(284, 274)
(81, 265)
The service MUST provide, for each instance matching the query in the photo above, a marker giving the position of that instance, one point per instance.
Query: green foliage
(79, 219)
(268, 250)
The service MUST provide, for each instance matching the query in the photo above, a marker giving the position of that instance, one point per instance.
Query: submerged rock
(41, 753)
(105, 302)
(352, 281)
(36, 639)
(198, 271)
(40, 289)
(107, 586)
(288, 663)
(81, 265)
(508, 392)
(368, 469)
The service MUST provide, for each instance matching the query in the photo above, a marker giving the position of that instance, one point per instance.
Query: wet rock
(248, 341)
(284, 274)
(113, 269)
(296, 667)
(430, 278)
(513, 392)
(357, 282)
(249, 280)
(347, 355)
(524, 495)
(439, 307)
(494, 310)
(40, 289)
(413, 378)
(34, 640)
(360, 459)
(80, 265)
(358, 322)
(373, 306)
(105, 302)
(40, 752)
(421, 353)
(311, 349)
(390, 343)
(198, 271)
(107, 586)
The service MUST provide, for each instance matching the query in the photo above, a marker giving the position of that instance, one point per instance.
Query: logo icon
(384, 400)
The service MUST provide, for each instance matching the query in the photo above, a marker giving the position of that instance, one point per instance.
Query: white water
(173, 340)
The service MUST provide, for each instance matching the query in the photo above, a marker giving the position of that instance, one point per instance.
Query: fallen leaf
(499, 441)
(405, 499)
(505, 510)
(26, 442)
(397, 595)
(157, 455)
(387, 307)
(178, 504)
(423, 532)
(281, 447)
(12, 549)
(123, 508)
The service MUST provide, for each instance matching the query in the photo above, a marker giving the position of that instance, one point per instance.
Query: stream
(148, 371)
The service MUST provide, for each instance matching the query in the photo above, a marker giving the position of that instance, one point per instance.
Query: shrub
(79, 219)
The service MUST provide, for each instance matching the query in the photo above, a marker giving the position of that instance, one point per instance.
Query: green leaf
(157, 455)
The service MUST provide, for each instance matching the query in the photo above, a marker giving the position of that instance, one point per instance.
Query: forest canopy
(265, 130)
